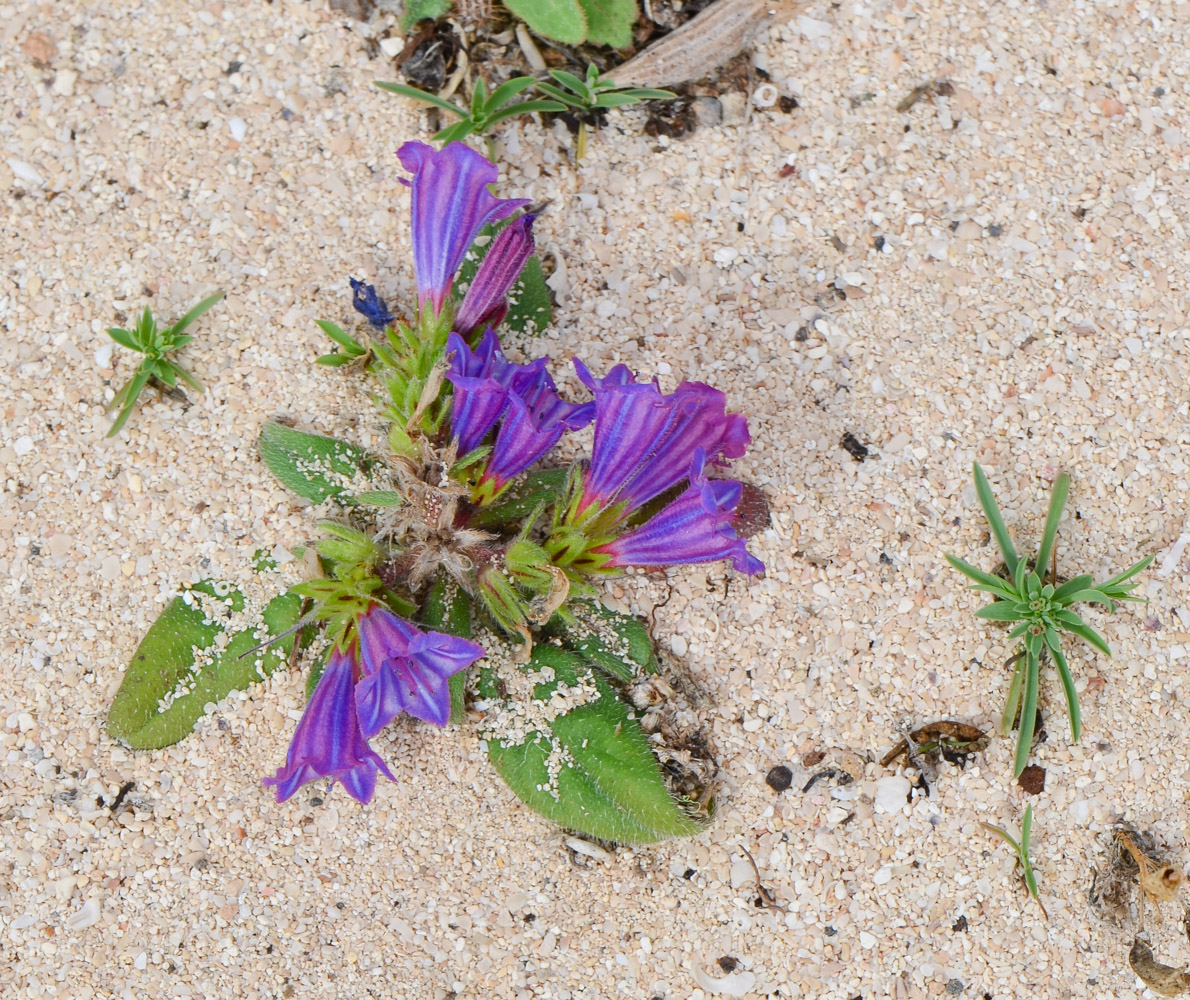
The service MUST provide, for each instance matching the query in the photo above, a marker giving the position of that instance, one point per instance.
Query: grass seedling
(1021, 848)
(154, 343)
(485, 111)
(592, 94)
(1041, 611)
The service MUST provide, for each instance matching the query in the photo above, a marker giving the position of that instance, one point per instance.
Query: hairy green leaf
(562, 20)
(616, 643)
(422, 10)
(588, 768)
(609, 22)
(183, 663)
(311, 465)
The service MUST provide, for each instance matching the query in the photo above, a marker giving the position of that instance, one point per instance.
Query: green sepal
(519, 500)
(143, 716)
(617, 643)
(311, 465)
(606, 783)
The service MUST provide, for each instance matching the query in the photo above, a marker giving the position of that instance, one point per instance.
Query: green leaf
(1074, 624)
(1128, 574)
(507, 91)
(185, 376)
(1050, 534)
(571, 82)
(1072, 586)
(609, 22)
(1013, 701)
(334, 360)
(616, 643)
(1072, 709)
(617, 99)
(311, 465)
(988, 502)
(545, 486)
(523, 108)
(126, 398)
(455, 133)
(562, 20)
(422, 10)
(558, 94)
(448, 609)
(420, 95)
(167, 686)
(342, 338)
(1093, 597)
(1001, 611)
(589, 769)
(1028, 721)
(124, 338)
(194, 313)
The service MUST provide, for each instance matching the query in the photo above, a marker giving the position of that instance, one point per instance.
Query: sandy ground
(995, 274)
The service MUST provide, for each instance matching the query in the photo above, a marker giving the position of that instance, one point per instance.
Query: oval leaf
(589, 768)
(616, 643)
(312, 465)
(183, 663)
(562, 20)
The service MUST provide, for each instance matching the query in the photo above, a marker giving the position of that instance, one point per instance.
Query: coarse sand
(996, 273)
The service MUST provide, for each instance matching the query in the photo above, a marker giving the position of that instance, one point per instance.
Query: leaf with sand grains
(187, 660)
(571, 750)
(1163, 979)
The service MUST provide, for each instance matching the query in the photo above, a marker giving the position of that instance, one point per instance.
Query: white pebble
(892, 793)
(392, 46)
(867, 940)
(22, 446)
(678, 644)
(765, 96)
(85, 917)
(239, 128)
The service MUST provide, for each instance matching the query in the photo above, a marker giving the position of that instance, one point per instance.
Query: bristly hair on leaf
(1029, 594)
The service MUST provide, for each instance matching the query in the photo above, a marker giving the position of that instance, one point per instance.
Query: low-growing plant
(154, 343)
(1021, 849)
(595, 93)
(1029, 593)
(486, 110)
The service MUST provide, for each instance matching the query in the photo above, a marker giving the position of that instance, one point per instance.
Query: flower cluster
(470, 426)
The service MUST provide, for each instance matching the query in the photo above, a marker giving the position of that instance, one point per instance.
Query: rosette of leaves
(1028, 594)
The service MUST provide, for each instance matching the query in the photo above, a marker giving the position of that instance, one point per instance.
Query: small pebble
(779, 778)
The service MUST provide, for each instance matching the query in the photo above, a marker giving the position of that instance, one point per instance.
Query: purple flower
(522, 399)
(696, 527)
(395, 667)
(645, 441)
(329, 742)
(406, 670)
(484, 305)
(451, 204)
(368, 303)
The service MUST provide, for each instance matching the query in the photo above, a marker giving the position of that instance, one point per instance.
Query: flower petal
(451, 204)
(328, 741)
(367, 301)
(484, 304)
(697, 527)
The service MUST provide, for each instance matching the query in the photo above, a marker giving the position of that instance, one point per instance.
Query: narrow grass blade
(128, 396)
(1024, 741)
(194, 313)
(1073, 623)
(124, 338)
(987, 501)
(993, 583)
(341, 337)
(1012, 702)
(1072, 709)
(1128, 574)
(507, 91)
(186, 377)
(420, 95)
(1048, 536)
(1004, 835)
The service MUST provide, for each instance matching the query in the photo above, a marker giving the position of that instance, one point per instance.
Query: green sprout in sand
(154, 343)
(1030, 595)
(1021, 849)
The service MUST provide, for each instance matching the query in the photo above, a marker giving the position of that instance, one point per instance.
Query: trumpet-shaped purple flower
(451, 204)
(522, 399)
(484, 304)
(367, 302)
(696, 527)
(329, 742)
(393, 667)
(406, 670)
(645, 441)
